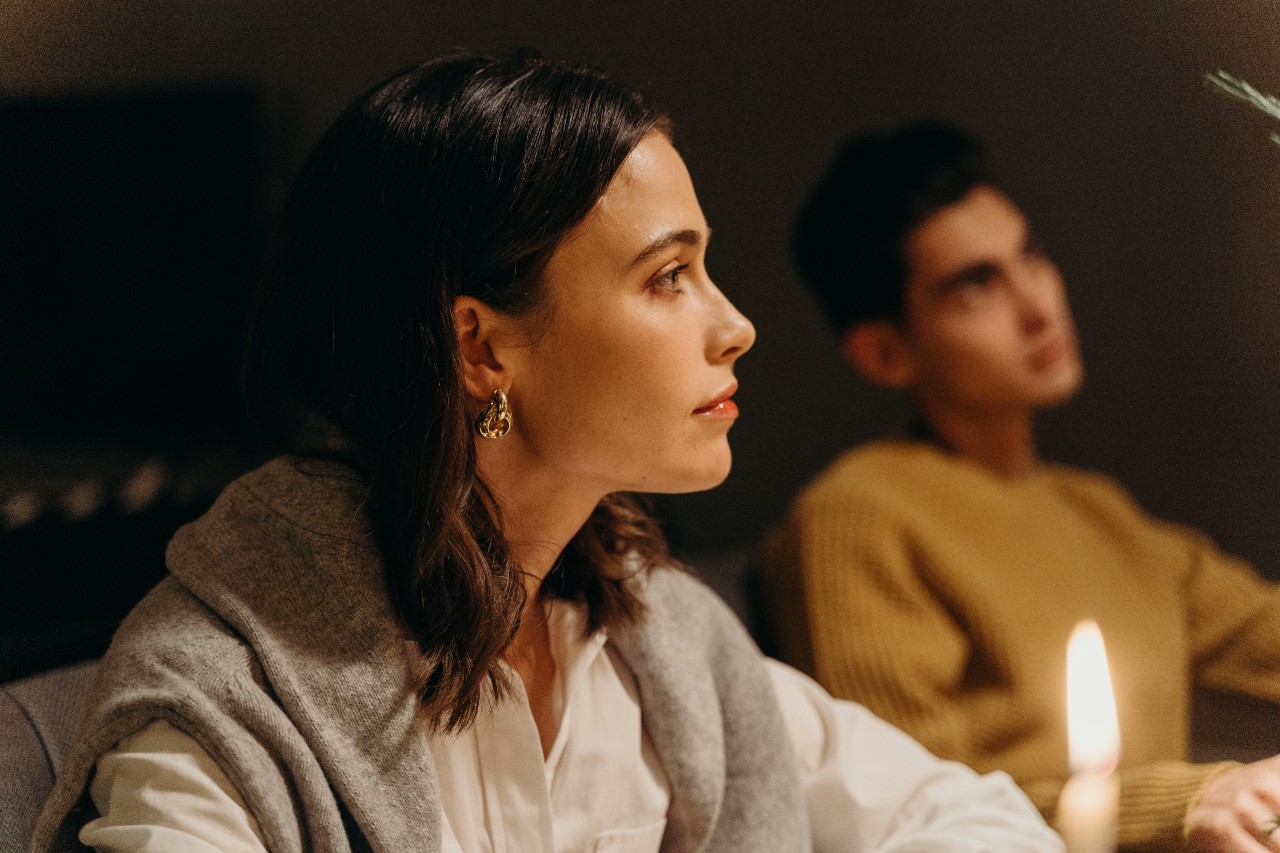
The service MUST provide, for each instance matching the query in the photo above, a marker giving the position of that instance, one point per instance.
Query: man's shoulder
(891, 468)
(881, 471)
(1097, 494)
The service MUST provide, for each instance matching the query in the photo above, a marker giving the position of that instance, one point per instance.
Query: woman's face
(623, 379)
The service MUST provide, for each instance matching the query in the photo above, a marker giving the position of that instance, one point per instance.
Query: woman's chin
(710, 473)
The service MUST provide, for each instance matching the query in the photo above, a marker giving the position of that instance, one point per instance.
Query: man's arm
(1233, 620)
(1233, 633)
(850, 608)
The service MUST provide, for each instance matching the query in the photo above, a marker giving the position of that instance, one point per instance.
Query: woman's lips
(720, 407)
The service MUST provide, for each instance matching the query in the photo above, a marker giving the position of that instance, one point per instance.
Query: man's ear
(880, 351)
(477, 325)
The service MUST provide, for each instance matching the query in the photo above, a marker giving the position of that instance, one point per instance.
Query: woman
(438, 625)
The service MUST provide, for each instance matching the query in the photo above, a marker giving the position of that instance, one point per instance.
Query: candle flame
(1093, 733)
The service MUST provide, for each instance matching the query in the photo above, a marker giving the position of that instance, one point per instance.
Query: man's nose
(1034, 301)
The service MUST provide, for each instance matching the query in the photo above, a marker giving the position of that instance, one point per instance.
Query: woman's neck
(540, 512)
(1003, 442)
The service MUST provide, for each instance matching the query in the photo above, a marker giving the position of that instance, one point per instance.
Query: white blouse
(869, 787)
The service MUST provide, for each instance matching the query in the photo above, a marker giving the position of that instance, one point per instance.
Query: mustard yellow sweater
(941, 595)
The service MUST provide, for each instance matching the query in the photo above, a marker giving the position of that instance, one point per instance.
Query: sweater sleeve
(1231, 613)
(1233, 621)
(864, 624)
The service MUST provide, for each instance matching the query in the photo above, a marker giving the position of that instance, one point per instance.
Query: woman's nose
(732, 333)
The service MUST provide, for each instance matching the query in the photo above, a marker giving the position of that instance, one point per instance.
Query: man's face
(988, 328)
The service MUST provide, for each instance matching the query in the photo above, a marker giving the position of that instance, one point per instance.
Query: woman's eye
(670, 280)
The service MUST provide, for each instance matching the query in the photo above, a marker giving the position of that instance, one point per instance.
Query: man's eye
(973, 284)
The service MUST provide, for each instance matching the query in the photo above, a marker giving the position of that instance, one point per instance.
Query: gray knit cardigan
(273, 643)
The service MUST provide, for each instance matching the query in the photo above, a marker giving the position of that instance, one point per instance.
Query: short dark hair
(459, 176)
(850, 235)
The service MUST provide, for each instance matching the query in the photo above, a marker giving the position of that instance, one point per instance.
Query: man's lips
(1050, 353)
(722, 406)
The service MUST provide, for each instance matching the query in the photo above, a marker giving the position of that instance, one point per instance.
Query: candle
(1087, 813)
(1087, 808)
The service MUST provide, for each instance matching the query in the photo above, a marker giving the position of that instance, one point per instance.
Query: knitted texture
(273, 643)
(941, 595)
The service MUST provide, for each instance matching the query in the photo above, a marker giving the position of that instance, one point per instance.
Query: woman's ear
(477, 325)
(880, 351)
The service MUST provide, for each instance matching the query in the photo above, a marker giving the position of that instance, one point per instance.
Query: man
(936, 577)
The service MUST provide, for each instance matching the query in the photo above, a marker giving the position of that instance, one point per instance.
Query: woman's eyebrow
(685, 236)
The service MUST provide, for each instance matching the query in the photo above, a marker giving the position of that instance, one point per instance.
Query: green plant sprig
(1241, 90)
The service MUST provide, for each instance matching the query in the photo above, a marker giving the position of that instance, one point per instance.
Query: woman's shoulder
(686, 617)
(174, 659)
(172, 635)
(306, 494)
(283, 556)
(675, 590)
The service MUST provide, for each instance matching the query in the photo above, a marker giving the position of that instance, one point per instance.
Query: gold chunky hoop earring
(495, 421)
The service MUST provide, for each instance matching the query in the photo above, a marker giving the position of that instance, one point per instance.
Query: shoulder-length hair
(459, 176)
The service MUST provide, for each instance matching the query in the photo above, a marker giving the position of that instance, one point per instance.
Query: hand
(1238, 811)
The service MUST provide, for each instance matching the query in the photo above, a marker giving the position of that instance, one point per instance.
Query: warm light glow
(1093, 734)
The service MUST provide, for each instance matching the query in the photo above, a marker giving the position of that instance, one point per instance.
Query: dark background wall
(1157, 198)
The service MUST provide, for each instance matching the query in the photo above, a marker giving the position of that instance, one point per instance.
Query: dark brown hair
(460, 176)
(850, 236)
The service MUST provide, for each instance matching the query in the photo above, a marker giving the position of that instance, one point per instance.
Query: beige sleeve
(159, 790)
(859, 619)
(1233, 621)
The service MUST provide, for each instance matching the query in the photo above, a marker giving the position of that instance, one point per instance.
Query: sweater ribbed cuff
(1155, 800)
